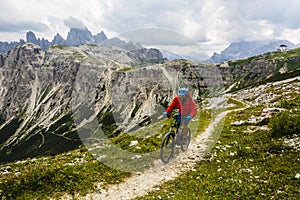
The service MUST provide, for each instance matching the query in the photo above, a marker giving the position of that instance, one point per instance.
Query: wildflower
(297, 175)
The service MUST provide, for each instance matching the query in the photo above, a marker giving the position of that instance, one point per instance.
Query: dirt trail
(141, 183)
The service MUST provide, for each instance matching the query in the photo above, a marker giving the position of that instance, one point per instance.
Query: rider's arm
(193, 109)
(173, 105)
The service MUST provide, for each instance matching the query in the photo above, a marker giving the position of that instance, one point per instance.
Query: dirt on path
(141, 183)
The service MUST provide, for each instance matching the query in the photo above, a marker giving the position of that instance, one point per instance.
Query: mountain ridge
(37, 87)
(75, 37)
(79, 36)
(245, 49)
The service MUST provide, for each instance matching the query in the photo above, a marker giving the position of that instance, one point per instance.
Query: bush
(285, 124)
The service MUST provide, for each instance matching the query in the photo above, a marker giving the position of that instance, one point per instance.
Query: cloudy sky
(211, 24)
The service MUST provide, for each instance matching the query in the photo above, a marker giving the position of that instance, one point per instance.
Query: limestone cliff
(36, 88)
(49, 97)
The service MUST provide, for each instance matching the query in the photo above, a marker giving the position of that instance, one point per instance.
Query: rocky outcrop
(267, 67)
(6, 47)
(43, 43)
(79, 36)
(41, 91)
(52, 99)
(58, 39)
(75, 37)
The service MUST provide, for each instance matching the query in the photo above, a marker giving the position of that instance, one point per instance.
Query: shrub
(285, 124)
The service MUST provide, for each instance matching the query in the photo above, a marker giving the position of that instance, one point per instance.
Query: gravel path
(141, 183)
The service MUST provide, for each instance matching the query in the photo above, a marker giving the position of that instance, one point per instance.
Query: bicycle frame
(175, 128)
(171, 139)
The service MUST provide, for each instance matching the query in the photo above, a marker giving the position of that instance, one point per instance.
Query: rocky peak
(30, 37)
(75, 37)
(25, 55)
(79, 36)
(58, 39)
(100, 37)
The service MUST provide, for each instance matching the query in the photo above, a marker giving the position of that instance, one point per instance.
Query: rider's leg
(185, 129)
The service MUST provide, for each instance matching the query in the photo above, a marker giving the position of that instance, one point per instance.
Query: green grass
(78, 171)
(125, 69)
(246, 163)
(241, 61)
(290, 59)
(238, 104)
(60, 46)
(70, 173)
(284, 55)
(78, 54)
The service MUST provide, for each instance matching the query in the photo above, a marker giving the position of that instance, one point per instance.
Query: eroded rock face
(41, 91)
(47, 96)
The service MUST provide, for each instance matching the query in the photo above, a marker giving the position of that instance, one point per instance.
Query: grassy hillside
(265, 68)
(76, 172)
(248, 162)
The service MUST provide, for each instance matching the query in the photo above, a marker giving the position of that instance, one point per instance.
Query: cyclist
(187, 108)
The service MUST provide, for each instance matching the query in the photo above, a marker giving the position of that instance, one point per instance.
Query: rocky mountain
(36, 88)
(52, 99)
(58, 39)
(75, 37)
(5, 46)
(268, 67)
(84, 36)
(245, 49)
(196, 57)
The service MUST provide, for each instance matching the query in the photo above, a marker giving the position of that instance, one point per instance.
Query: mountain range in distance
(75, 37)
(236, 50)
(245, 49)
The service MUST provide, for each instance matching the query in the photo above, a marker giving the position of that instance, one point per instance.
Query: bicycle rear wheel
(185, 141)
(167, 147)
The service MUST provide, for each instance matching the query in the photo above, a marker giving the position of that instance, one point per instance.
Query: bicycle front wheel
(167, 147)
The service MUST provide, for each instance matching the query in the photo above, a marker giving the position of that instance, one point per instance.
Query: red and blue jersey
(186, 106)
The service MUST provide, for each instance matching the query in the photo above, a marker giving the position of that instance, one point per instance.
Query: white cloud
(212, 23)
(71, 22)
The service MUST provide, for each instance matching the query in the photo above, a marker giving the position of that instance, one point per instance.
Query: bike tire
(167, 147)
(184, 145)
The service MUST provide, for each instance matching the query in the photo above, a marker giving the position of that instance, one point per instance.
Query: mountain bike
(174, 137)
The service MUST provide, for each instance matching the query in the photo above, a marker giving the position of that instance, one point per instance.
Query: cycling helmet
(183, 91)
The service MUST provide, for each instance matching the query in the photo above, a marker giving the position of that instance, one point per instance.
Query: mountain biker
(187, 108)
